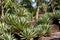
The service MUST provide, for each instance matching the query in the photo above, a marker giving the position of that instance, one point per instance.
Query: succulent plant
(6, 36)
(28, 33)
(56, 15)
(43, 30)
(22, 12)
(18, 23)
(5, 32)
(45, 19)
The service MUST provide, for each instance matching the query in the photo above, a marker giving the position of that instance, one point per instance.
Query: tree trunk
(37, 13)
(2, 6)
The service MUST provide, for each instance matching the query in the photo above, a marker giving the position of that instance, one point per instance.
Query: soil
(54, 36)
(55, 28)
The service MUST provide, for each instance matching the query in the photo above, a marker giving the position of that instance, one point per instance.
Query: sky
(33, 0)
(34, 3)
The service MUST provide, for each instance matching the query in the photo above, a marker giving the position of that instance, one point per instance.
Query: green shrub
(5, 32)
(23, 12)
(56, 15)
(43, 30)
(18, 23)
(30, 17)
(4, 28)
(28, 33)
(6, 36)
(45, 19)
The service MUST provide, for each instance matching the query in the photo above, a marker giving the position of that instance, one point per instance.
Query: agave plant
(6, 36)
(5, 32)
(23, 12)
(56, 15)
(28, 33)
(43, 30)
(4, 28)
(45, 19)
(18, 23)
(30, 17)
(49, 15)
(9, 4)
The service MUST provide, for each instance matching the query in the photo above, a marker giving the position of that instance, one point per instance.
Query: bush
(28, 33)
(5, 32)
(43, 30)
(45, 19)
(18, 23)
(56, 15)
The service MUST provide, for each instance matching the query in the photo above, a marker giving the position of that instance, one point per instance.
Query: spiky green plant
(18, 23)
(30, 17)
(4, 28)
(5, 32)
(12, 6)
(28, 33)
(6, 36)
(44, 19)
(22, 12)
(56, 15)
(43, 30)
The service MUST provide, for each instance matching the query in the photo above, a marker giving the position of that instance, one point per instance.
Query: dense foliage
(19, 17)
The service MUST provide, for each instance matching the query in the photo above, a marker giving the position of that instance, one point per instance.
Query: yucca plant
(5, 32)
(30, 17)
(56, 15)
(18, 23)
(6, 36)
(4, 28)
(28, 33)
(9, 4)
(45, 19)
(22, 12)
(43, 30)
(49, 15)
